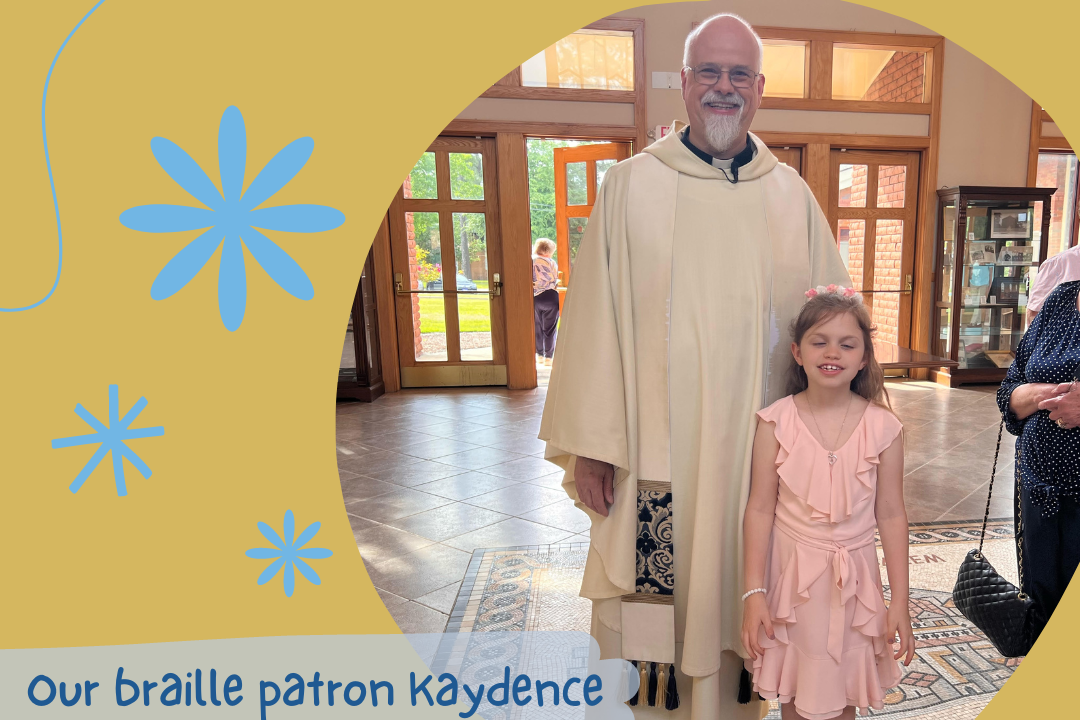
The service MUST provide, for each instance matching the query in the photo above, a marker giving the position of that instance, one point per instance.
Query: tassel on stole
(671, 702)
(657, 686)
(745, 687)
(642, 696)
(652, 684)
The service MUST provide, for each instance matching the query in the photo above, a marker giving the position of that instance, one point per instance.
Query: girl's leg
(788, 712)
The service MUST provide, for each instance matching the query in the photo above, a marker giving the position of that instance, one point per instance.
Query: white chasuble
(674, 333)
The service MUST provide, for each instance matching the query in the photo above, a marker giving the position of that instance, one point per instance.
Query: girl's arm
(892, 525)
(757, 528)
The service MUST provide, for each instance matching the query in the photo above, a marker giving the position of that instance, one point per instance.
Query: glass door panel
(473, 300)
(575, 231)
(466, 176)
(577, 184)
(852, 185)
(851, 238)
(445, 257)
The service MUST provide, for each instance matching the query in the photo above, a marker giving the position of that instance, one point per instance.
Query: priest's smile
(723, 104)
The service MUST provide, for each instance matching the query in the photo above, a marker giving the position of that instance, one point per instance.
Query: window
(1059, 170)
(877, 74)
(784, 64)
(589, 59)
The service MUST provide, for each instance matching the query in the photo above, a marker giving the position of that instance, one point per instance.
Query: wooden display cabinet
(991, 241)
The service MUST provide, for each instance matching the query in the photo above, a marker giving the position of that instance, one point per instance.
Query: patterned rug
(956, 670)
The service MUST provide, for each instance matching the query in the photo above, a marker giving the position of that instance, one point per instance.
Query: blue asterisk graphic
(112, 439)
(232, 218)
(289, 553)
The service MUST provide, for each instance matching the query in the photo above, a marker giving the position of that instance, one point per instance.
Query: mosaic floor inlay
(956, 670)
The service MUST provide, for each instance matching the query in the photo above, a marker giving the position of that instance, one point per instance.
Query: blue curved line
(48, 166)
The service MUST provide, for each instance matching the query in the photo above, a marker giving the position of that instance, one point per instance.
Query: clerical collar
(743, 158)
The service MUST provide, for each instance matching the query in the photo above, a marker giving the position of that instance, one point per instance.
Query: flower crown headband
(833, 290)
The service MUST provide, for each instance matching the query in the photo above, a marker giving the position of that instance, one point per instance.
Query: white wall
(985, 124)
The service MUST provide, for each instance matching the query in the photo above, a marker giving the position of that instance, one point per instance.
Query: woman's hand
(1026, 399)
(1064, 405)
(899, 622)
(755, 615)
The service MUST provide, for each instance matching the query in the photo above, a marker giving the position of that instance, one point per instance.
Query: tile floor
(429, 476)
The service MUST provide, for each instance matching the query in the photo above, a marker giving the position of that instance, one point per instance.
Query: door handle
(496, 288)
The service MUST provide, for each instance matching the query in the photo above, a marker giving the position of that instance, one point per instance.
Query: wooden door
(447, 261)
(790, 156)
(578, 173)
(873, 201)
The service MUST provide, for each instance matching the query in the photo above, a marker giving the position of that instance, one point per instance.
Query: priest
(674, 333)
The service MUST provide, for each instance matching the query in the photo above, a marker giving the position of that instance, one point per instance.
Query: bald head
(722, 84)
(725, 29)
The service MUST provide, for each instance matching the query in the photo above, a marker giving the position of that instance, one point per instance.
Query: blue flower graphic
(232, 218)
(112, 439)
(289, 553)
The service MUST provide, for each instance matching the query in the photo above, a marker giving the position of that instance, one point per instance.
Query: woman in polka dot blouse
(1041, 406)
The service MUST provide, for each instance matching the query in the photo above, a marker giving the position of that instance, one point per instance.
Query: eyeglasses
(710, 75)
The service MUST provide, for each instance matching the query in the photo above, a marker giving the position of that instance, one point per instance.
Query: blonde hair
(870, 381)
(543, 246)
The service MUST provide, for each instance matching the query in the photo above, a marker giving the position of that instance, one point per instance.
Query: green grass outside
(474, 313)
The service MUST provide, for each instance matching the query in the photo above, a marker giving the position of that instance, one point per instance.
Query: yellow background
(249, 415)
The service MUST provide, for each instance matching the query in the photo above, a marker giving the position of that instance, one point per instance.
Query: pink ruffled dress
(823, 586)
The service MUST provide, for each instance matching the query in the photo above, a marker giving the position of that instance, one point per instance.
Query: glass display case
(991, 241)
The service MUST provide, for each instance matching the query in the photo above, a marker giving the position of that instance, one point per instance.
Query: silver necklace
(832, 453)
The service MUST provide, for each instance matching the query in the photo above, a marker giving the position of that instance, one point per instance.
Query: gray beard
(723, 132)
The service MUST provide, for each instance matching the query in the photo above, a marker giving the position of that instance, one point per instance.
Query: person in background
(1041, 406)
(1062, 268)
(545, 275)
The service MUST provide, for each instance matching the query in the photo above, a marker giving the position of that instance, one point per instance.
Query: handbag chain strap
(1019, 516)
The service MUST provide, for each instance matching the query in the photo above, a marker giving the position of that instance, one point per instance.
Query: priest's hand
(595, 482)
(755, 615)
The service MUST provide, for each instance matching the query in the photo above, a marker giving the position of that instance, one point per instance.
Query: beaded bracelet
(755, 590)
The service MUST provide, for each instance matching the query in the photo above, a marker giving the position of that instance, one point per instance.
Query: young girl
(827, 470)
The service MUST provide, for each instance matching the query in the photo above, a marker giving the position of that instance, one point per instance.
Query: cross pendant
(832, 458)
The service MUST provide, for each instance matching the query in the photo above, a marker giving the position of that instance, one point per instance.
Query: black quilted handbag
(1004, 613)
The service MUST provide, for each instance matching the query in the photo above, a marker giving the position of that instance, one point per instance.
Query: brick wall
(1054, 173)
(901, 80)
(414, 272)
